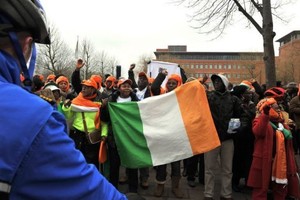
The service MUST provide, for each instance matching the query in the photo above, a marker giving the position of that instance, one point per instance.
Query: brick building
(237, 66)
(288, 61)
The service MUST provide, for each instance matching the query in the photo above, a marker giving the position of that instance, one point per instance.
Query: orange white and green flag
(165, 128)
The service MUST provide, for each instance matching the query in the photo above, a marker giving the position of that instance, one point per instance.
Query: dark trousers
(161, 171)
(296, 140)
(114, 160)
(192, 166)
(89, 151)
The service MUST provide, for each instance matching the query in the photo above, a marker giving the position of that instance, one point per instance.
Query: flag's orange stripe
(196, 117)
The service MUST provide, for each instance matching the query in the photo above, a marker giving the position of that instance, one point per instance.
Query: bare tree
(143, 62)
(89, 56)
(111, 64)
(215, 15)
(56, 57)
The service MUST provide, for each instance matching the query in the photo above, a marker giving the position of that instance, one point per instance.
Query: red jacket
(260, 171)
(261, 168)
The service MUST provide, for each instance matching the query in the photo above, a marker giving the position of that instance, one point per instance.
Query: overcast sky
(127, 29)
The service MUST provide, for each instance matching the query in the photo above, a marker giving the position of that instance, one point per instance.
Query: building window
(229, 66)
(239, 67)
(192, 66)
(210, 66)
(216, 66)
(206, 66)
(220, 66)
(187, 66)
(234, 67)
(201, 66)
(229, 75)
(225, 66)
(197, 66)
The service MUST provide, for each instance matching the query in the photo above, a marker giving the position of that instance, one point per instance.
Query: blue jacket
(38, 159)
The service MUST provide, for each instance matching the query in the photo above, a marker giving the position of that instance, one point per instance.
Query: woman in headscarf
(85, 112)
(273, 164)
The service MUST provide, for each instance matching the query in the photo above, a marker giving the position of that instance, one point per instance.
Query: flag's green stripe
(129, 136)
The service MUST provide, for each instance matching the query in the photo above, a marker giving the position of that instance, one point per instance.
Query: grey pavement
(193, 193)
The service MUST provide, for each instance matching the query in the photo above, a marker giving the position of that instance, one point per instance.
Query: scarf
(279, 167)
(85, 104)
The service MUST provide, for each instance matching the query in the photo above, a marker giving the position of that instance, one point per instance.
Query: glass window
(239, 67)
(220, 66)
(192, 66)
(206, 66)
(216, 66)
(225, 66)
(210, 66)
(229, 66)
(201, 66)
(197, 66)
(229, 75)
(234, 66)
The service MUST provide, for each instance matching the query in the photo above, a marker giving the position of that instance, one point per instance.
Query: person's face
(87, 91)
(125, 90)
(247, 96)
(108, 84)
(63, 85)
(218, 84)
(171, 85)
(142, 82)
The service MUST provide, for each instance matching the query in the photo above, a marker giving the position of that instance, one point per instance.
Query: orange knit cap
(65, 79)
(51, 77)
(177, 78)
(98, 80)
(90, 83)
(112, 79)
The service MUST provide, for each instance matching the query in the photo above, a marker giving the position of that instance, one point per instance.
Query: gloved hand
(266, 106)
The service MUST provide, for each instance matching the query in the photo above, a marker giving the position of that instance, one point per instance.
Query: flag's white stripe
(164, 130)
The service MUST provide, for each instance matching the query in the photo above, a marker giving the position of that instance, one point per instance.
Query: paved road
(195, 193)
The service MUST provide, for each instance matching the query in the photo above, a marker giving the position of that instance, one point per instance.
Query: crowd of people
(52, 128)
(242, 151)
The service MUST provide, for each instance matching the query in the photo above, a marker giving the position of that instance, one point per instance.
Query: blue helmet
(24, 15)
